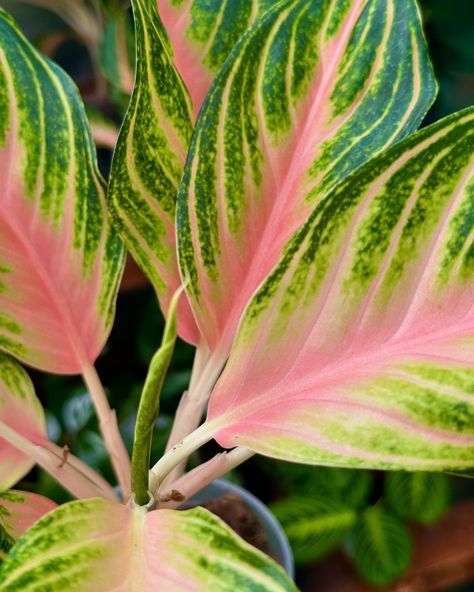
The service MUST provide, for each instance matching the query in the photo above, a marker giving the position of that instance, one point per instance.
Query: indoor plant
(329, 273)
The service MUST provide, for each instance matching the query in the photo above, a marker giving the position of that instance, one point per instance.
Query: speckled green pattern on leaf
(312, 91)
(57, 250)
(98, 546)
(20, 410)
(363, 334)
(149, 158)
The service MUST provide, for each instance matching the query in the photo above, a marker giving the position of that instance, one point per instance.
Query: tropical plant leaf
(21, 509)
(148, 163)
(312, 91)
(60, 262)
(150, 405)
(118, 53)
(203, 34)
(381, 546)
(358, 348)
(20, 410)
(314, 525)
(98, 546)
(104, 131)
(417, 496)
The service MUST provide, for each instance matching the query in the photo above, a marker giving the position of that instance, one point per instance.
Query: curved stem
(177, 454)
(110, 431)
(204, 474)
(74, 475)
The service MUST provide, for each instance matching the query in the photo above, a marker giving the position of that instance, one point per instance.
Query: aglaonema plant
(314, 247)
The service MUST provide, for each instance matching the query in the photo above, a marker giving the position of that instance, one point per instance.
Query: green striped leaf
(312, 91)
(358, 349)
(203, 33)
(148, 163)
(60, 262)
(420, 496)
(381, 546)
(20, 410)
(314, 525)
(98, 546)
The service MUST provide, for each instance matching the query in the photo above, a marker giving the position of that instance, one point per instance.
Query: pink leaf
(21, 509)
(60, 263)
(21, 411)
(311, 92)
(98, 546)
(358, 349)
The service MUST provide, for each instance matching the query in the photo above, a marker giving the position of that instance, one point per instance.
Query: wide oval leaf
(419, 496)
(149, 160)
(60, 262)
(381, 547)
(358, 349)
(314, 525)
(98, 546)
(312, 91)
(21, 411)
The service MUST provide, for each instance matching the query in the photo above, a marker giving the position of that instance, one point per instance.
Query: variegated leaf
(60, 262)
(98, 546)
(311, 92)
(148, 163)
(117, 53)
(203, 33)
(21, 411)
(21, 509)
(358, 350)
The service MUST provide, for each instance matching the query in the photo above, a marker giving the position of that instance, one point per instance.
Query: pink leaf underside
(290, 187)
(49, 302)
(345, 365)
(21, 411)
(99, 546)
(23, 509)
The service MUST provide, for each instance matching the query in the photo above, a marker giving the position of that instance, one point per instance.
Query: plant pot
(276, 538)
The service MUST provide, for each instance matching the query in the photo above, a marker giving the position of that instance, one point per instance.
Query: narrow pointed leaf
(381, 546)
(59, 261)
(312, 91)
(20, 410)
(97, 546)
(148, 163)
(150, 405)
(420, 496)
(358, 350)
(21, 509)
(314, 525)
(203, 34)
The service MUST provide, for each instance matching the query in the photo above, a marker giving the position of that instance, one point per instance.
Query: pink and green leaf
(358, 349)
(203, 34)
(148, 163)
(311, 92)
(117, 57)
(60, 262)
(20, 410)
(99, 546)
(19, 510)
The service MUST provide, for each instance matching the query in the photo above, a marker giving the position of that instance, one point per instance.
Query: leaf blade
(148, 163)
(60, 260)
(94, 545)
(357, 350)
(284, 121)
